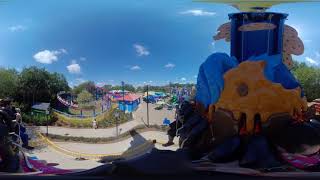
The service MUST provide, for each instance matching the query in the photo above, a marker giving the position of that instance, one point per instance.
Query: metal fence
(83, 116)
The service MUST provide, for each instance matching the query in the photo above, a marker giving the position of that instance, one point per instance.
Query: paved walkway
(68, 162)
(155, 116)
(90, 133)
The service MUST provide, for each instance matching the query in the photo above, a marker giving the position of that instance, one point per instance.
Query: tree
(85, 99)
(33, 84)
(139, 89)
(8, 83)
(88, 86)
(127, 87)
(38, 85)
(57, 82)
(107, 87)
(309, 78)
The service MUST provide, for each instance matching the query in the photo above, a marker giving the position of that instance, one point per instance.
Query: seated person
(184, 110)
(188, 125)
(12, 114)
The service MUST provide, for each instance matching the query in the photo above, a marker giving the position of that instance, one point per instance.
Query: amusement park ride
(248, 97)
(66, 100)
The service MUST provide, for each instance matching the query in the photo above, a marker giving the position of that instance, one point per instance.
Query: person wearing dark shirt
(12, 114)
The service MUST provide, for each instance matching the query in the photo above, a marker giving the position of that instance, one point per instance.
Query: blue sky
(136, 41)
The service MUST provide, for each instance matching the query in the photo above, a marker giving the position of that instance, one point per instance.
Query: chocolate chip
(243, 89)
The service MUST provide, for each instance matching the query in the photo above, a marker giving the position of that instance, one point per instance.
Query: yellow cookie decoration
(246, 90)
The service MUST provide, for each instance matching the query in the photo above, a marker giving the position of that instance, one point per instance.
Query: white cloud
(183, 79)
(141, 50)
(64, 51)
(74, 68)
(312, 61)
(195, 76)
(100, 84)
(80, 80)
(317, 54)
(17, 28)
(76, 82)
(48, 56)
(135, 68)
(82, 59)
(147, 82)
(170, 65)
(198, 12)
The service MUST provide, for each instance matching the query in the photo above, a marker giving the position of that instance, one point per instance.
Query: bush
(38, 120)
(104, 120)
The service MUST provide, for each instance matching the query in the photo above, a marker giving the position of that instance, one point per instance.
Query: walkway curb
(147, 146)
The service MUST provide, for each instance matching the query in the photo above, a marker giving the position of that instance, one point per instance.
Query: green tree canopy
(88, 86)
(8, 82)
(127, 87)
(165, 88)
(107, 87)
(57, 82)
(38, 85)
(309, 78)
(33, 84)
(85, 99)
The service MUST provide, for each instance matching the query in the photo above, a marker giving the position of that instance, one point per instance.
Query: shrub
(38, 120)
(106, 119)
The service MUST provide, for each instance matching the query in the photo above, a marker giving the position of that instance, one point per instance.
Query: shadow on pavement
(138, 146)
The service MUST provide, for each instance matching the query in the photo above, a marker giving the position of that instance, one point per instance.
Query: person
(94, 124)
(23, 131)
(13, 114)
(182, 113)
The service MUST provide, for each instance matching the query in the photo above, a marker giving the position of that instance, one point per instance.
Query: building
(40, 108)
(40, 111)
(153, 96)
(129, 103)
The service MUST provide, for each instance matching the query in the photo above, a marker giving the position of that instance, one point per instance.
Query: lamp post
(47, 113)
(123, 104)
(148, 105)
(117, 126)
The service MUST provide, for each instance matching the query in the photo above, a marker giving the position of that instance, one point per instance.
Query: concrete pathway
(68, 162)
(63, 161)
(90, 133)
(119, 147)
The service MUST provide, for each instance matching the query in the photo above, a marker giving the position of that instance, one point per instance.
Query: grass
(139, 129)
(104, 120)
